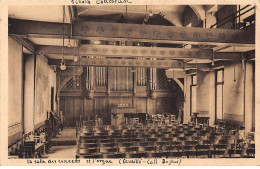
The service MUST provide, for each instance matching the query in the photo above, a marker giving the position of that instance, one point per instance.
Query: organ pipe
(141, 76)
(127, 69)
(115, 69)
(90, 77)
(153, 78)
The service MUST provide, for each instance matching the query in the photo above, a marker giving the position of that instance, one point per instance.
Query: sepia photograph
(131, 82)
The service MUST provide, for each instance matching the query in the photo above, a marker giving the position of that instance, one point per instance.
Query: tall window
(219, 94)
(253, 129)
(193, 94)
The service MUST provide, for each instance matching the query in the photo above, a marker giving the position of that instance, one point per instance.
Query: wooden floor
(63, 145)
(64, 151)
(66, 137)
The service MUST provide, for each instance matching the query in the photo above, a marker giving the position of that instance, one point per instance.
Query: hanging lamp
(213, 62)
(234, 64)
(62, 65)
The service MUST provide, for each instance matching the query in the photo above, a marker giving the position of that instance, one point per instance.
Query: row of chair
(175, 140)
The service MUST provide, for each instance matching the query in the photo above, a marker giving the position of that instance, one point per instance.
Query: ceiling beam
(132, 32)
(24, 42)
(220, 64)
(191, 71)
(71, 14)
(129, 51)
(130, 63)
(249, 55)
(134, 51)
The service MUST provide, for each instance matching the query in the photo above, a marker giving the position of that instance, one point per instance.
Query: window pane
(219, 102)
(194, 79)
(193, 101)
(220, 76)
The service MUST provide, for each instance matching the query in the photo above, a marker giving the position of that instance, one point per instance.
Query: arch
(63, 83)
(199, 11)
(179, 83)
(169, 75)
(175, 20)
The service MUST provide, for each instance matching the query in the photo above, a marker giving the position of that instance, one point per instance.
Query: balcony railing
(235, 20)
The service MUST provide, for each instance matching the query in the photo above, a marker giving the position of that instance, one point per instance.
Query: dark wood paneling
(78, 108)
(166, 105)
(88, 107)
(140, 104)
(14, 138)
(223, 13)
(38, 125)
(69, 111)
(102, 109)
(151, 106)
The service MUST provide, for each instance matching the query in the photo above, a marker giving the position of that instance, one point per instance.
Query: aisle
(66, 137)
(64, 151)
(63, 145)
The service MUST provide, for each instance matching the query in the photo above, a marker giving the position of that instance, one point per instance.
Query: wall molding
(14, 128)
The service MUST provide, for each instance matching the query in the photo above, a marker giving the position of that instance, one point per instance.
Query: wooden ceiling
(120, 32)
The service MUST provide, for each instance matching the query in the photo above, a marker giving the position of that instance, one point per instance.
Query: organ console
(119, 114)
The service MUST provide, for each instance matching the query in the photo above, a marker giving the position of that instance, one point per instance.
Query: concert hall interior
(131, 81)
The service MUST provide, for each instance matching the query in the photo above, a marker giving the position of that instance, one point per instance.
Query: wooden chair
(115, 155)
(148, 149)
(154, 119)
(159, 155)
(202, 154)
(128, 149)
(190, 153)
(108, 144)
(176, 154)
(136, 155)
(237, 152)
(172, 119)
(90, 156)
(203, 147)
(83, 140)
(105, 140)
(136, 121)
(88, 145)
(171, 148)
(88, 151)
(250, 152)
(218, 153)
(126, 144)
(108, 150)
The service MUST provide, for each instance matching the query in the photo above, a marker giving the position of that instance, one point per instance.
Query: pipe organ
(100, 75)
(121, 79)
(153, 79)
(141, 76)
(89, 77)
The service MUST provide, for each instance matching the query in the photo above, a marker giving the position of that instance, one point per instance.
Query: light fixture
(97, 42)
(133, 70)
(150, 13)
(79, 68)
(234, 65)
(196, 73)
(75, 58)
(62, 65)
(160, 14)
(69, 44)
(146, 15)
(213, 63)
